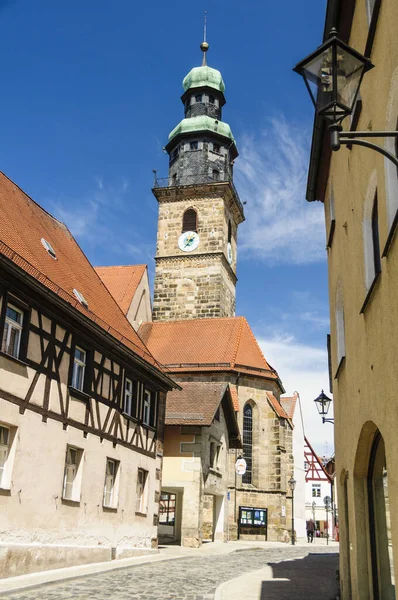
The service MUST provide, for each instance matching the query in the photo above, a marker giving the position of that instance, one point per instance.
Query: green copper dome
(202, 123)
(204, 76)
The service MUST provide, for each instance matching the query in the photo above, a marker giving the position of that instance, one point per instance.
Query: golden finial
(204, 46)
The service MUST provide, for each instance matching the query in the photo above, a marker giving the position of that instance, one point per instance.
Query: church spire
(204, 46)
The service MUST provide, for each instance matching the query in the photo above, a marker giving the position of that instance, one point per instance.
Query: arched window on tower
(216, 175)
(248, 442)
(190, 220)
(229, 231)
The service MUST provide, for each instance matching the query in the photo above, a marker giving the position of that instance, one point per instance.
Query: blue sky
(90, 90)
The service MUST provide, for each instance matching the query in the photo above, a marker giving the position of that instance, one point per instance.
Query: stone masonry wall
(200, 283)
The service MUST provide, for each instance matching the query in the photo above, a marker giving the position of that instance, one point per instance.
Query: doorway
(379, 523)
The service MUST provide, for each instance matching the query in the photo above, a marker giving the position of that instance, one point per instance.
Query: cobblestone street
(198, 577)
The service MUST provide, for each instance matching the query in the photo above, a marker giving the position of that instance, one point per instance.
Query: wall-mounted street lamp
(333, 75)
(292, 485)
(322, 402)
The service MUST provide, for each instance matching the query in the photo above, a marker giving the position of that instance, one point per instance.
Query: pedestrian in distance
(310, 531)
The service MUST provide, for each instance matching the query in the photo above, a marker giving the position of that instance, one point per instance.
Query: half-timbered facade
(318, 486)
(82, 404)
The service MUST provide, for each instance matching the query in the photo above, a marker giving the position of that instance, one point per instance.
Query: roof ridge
(258, 346)
(119, 266)
(239, 337)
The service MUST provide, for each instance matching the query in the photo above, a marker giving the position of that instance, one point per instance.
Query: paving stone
(190, 578)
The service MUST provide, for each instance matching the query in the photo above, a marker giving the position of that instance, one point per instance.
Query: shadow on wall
(311, 578)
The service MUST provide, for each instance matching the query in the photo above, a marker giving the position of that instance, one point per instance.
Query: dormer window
(80, 297)
(49, 248)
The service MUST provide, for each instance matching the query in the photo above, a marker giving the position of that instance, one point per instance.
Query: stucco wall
(40, 530)
(365, 387)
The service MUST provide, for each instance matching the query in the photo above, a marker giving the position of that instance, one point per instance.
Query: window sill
(216, 153)
(5, 491)
(370, 292)
(140, 514)
(130, 417)
(68, 502)
(391, 235)
(215, 472)
(331, 233)
(18, 361)
(111, 509)
(78, 394)
(149, 427)
(340, 367)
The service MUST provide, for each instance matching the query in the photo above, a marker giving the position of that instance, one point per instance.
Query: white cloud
(271, 176)
(303, 368)
(90, 215)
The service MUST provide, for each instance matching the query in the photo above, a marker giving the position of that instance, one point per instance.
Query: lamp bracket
(327, 420)
(353, 137)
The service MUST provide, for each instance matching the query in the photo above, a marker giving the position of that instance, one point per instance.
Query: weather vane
(204, 46)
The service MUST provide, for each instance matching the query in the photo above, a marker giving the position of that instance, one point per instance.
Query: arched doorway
(379, 522)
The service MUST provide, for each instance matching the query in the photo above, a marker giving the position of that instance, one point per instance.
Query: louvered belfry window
(248, 442)
(190, 220)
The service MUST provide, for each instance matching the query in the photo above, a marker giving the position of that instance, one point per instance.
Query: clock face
(188, 241)
(229, 252)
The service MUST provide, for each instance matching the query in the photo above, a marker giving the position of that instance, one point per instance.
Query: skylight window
(49, 248)
(80, 297)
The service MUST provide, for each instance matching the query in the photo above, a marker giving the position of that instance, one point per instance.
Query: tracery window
(190, 220)
(248, 442)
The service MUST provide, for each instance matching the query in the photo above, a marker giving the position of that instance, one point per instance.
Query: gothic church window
(190, 220)
(248, 442)
(229, 232)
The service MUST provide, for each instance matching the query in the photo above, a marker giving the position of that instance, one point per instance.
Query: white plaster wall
(33, 511)
(299, 474)
(140, 310)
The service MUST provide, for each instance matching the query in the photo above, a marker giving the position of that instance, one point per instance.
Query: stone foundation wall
(21, 559)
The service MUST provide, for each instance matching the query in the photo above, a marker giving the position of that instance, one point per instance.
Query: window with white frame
(12, 333)
(72, 474)
(4, 451)
(142, 491)
(316, 490)
(370, 4)
(129, 407)
(146, 411)
(110, 490)
(79, 367)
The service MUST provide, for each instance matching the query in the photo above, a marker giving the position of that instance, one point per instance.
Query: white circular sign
(240, 466)
(188, 241)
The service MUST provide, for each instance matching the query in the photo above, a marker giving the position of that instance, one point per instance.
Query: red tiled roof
(276, 406)
(289, 404)
(216, 344)
(196, 404)
(122, 282)
(234, 396)
(23, 223)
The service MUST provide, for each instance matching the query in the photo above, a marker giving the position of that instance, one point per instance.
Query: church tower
(199, 208)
